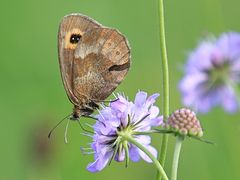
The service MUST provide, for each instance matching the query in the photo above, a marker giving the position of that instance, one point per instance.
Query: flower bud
(184, 122)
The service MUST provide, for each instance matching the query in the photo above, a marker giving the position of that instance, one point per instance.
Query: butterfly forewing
(71, 26)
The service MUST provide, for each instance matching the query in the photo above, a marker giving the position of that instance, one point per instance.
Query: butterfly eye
(75, 38)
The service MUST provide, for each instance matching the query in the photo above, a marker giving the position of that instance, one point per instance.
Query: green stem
(148, 153)
(163, 47)
(163, 152)
(177, 150)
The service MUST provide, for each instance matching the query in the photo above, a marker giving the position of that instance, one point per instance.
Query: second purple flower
(212, 74)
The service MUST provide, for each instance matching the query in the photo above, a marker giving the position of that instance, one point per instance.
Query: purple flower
(127, 117)
(212, 74)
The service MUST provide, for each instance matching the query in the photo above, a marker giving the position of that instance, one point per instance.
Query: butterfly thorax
(83, 110)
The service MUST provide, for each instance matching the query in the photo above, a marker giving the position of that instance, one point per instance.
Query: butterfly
(93, 61)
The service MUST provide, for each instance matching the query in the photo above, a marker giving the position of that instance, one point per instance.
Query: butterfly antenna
(66, 131)
(94, 118)
(50, 133)
(84, 128)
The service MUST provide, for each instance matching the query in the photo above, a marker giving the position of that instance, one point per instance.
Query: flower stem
(177, 150)
(163, 48)
(148, 153)
(163, 153)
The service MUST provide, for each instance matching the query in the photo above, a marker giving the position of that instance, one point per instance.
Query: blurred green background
(33, 98)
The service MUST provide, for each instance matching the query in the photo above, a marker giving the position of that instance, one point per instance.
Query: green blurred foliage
(33, 98)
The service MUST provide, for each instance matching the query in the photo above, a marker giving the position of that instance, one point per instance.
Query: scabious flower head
(131, 118)
(212, 73)
(184, 122)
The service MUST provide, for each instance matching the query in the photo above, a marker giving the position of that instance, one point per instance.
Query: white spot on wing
(83, 51)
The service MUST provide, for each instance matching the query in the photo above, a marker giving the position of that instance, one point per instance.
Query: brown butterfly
(93, 61)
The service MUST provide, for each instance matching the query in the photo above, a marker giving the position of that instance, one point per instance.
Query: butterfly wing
(102, 60)
(72, 26)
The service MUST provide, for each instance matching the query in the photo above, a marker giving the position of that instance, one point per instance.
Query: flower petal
(120, 156)
(191, 81)
(152, 99)
(118, 105)
(154, 111)
(140, 98)
(134, 153)
(143, 139)
(229, 44)
(99, 163)
(145, 157)
(157, 121)
(229, 100)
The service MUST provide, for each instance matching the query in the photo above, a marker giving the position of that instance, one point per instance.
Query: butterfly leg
(103, 101)
(93, 105)
(81, 126)
(87, 110)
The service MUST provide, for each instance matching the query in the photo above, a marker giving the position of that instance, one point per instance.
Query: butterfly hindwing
(102, 59)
